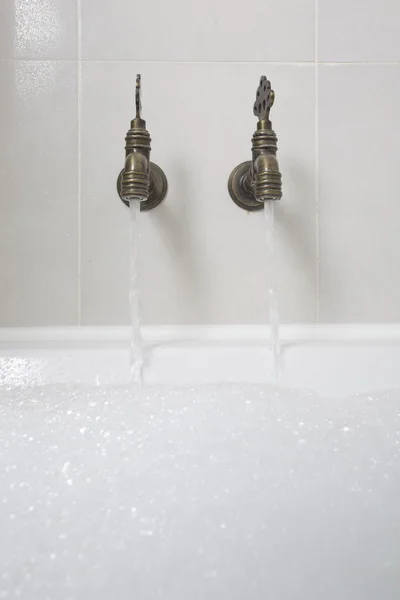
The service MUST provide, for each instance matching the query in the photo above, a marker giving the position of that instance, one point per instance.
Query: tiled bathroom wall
(67, 76)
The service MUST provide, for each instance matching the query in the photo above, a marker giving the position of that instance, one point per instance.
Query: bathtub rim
(290, 333)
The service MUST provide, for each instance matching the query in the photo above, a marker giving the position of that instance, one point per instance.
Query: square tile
(203, 259)
(359, 140)
(211, 30)
(38, 199)
(38, 29)
(358, 31)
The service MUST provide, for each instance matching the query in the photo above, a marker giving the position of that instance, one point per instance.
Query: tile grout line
(278, 63)
(309, 63)
(79, 173)
(316, 161)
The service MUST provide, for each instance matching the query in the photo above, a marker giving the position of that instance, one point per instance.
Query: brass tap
(257, 181)
(140, 179)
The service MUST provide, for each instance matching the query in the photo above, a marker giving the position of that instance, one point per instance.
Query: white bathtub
(332, 360)
(225, 491)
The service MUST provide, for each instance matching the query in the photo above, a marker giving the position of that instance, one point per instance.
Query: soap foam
(218, 492)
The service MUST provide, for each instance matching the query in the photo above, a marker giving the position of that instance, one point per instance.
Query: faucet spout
(267, 180)
(135, 179)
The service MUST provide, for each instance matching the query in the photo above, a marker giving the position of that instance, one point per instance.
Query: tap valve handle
(264, 99)
(138, 96)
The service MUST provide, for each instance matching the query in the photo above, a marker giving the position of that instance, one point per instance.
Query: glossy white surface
(39, 209)
(202, 259)
(212, 30)
(359, 31)
(359, 142)
(38, 29)
(332, 361)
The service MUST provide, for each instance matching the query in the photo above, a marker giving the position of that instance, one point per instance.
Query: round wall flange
(241, 196)
(157, 190)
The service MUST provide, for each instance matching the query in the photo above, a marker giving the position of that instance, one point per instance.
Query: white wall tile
(38, 193)
(203, 260)
(211, 30)
(359, 220)
(38, 29)
(361, 30)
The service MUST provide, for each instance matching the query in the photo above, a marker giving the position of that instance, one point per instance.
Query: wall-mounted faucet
(254, 182)
(140, 179)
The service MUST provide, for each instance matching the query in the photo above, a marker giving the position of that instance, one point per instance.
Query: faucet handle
(264, 99)
(138, 96)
